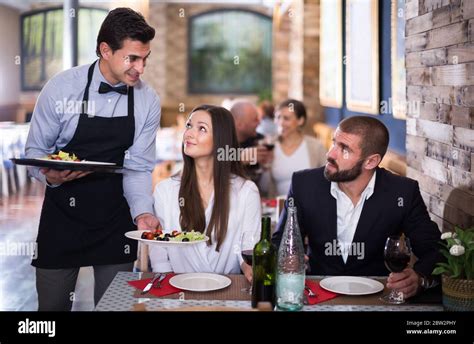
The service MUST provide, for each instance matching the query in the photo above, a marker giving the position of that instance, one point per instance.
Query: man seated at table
(348, 208)
(246, 120)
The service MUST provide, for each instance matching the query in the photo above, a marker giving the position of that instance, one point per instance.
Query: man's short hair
(123, 23)
(374, 134)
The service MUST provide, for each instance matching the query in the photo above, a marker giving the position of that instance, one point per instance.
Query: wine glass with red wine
(248, 242)
(247, 255)
(268, 141)
(397, 255)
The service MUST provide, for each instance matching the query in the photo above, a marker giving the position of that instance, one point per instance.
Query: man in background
(246, 122)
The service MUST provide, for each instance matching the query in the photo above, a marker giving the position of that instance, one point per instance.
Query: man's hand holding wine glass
(403, 281)
(407, 282)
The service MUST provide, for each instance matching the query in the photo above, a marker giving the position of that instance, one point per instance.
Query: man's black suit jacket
(396, 206)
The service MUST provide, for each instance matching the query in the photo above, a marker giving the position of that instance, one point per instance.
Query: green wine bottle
(264, 267)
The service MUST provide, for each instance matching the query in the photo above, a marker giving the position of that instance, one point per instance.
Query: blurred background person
(246, 121)
(266, 115)
(293, 151)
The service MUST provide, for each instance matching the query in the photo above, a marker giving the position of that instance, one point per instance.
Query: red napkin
(270, 202)
(322, 294)
(166, 287)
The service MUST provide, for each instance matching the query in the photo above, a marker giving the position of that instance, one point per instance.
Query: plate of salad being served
(170, 239)
(68, 161)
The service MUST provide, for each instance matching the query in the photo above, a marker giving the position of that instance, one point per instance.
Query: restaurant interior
(407, 63)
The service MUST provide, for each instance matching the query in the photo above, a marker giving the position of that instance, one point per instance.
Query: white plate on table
(198, 281)
(351, 285)
(137, 235)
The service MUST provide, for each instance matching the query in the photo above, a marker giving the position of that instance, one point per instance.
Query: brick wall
(311, 62)
(281, 59)
(440, 79)
(296, 58)
(167, 68)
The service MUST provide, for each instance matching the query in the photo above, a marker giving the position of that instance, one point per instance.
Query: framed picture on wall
(362, 56)
(330, 53)
(399, 81)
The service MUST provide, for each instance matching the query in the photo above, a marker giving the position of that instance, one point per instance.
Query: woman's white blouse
(284, 166)
(245, 215)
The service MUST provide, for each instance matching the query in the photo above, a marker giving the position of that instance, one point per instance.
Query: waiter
(85, 215)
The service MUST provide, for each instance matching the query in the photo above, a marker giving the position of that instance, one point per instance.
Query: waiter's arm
(43, 135)
(44, 128)
(44, 131)
(139, 163)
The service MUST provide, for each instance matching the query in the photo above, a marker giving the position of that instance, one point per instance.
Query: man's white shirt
(348, 215)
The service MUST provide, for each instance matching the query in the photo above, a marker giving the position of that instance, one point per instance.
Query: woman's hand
(247, 270)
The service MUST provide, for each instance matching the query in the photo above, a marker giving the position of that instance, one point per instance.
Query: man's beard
(342, 176)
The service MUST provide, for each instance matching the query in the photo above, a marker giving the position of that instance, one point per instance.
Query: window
(230, 51)
(42, 43)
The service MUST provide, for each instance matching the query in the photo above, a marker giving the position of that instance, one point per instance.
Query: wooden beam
(448, 35)
(463, 138)
(431, 20)
(431, 5)
(461, 96)
(435, 131)
(426, 58)
(460, 53)
(455, 75)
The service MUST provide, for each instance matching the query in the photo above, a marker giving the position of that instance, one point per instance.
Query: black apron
(83, 221)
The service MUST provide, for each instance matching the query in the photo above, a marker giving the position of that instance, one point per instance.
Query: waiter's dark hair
(192, 212)
(374, 134)
(122, 23)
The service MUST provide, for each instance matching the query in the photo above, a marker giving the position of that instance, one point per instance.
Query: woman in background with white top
(294, 151)
(210, 195)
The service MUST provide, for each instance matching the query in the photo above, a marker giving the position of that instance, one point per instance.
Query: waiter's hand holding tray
(64, 161)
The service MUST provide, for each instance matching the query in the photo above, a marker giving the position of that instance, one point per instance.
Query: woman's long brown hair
(192, 214)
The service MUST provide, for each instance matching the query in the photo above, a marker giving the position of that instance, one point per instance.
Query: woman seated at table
(210, 195)
(293, 151)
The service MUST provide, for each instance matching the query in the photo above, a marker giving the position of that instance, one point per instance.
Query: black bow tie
(104, 88)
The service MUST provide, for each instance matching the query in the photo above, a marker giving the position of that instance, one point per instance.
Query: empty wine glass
(397, 255)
